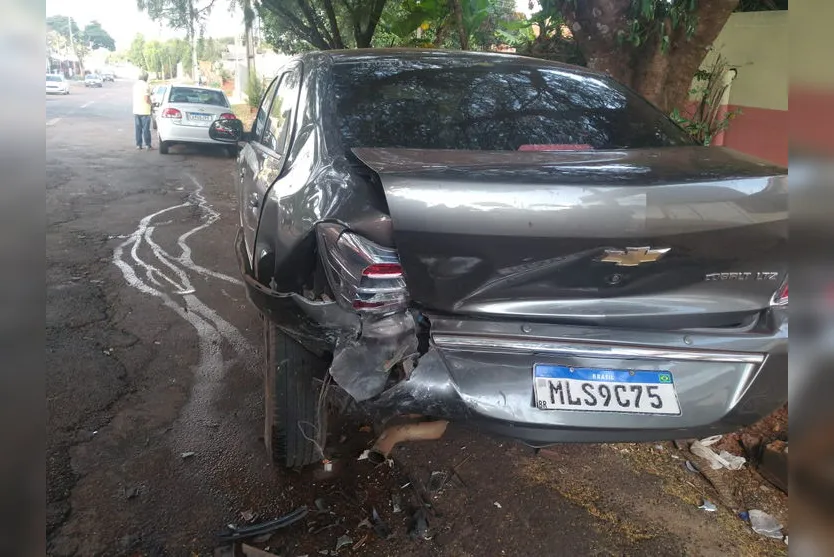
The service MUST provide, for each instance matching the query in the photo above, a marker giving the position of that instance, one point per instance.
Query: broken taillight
(363, 275)
(780, 298)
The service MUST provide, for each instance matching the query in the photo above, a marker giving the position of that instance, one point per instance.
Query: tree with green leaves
(80, 41)
(654, 46)
(188, 15)
(322, 24)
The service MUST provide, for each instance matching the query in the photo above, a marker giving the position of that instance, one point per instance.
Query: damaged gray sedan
(526, 246)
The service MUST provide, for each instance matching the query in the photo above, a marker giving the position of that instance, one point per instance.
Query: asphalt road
(153, 352)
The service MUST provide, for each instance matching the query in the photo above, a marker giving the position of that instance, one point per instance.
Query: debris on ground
(708, 506)
(419, 529)
(247, 516)
(343, 541)
(381, 529)
(691, 467)
(497, 504)
(396, 503)
(764, 524)
(437, 481)
(251, 551)
(130, 492)
(188, 454)
(234, 533)
(724, 459)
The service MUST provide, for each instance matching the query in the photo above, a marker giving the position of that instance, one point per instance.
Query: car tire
(291, 397)
(163, 147)
(232, 151)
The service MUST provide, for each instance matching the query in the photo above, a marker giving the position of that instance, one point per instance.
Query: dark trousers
(142, 126)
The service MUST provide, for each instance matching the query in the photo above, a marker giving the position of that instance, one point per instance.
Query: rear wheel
(163, 147)
(293, 415)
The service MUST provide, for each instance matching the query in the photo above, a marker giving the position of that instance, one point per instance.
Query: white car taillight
(780, 297)
(171, 113)
(364, 276)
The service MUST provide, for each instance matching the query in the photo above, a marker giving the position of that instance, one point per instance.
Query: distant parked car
(56, 83)
(108, 76)
(93, 80)
(185, 114)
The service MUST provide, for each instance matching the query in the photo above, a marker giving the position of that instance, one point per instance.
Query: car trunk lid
(680, 237)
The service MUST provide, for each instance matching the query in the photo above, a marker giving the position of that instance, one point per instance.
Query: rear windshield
(54, 78)
(91, 76)
(197, 96)
(485, 106)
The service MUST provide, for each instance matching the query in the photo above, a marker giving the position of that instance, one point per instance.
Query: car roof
(202, 87)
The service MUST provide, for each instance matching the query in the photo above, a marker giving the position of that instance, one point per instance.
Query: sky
(123, 20)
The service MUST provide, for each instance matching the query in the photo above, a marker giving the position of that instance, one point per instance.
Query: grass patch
(244, 113)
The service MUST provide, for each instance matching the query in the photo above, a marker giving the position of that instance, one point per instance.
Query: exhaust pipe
(423, 431)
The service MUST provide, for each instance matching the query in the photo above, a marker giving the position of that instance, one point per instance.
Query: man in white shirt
(142, 111)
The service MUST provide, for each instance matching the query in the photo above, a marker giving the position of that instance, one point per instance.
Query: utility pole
(193, 16)
(72, 46)
(248, 18)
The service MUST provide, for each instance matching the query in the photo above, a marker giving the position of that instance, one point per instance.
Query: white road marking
(53, 121)
(86, 104)
(172, 285)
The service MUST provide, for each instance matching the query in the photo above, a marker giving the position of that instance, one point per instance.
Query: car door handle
(254, 201)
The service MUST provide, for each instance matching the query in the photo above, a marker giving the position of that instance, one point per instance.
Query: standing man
(142, 111)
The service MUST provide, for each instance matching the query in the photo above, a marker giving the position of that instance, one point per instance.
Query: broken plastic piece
(497, 504)
(396, 502)
(234, 533)
(343, 541)
(423, 431)
(187, 455)
(380, 528)
(419, 529)
(717, 461)
(765, 524)
(691, 467)
(247, 516)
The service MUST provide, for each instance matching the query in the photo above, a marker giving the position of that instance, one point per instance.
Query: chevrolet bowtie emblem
(632, 257)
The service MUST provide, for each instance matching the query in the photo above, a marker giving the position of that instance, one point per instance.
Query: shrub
(254, 91)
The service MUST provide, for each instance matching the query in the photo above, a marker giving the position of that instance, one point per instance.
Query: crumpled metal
(361, 363)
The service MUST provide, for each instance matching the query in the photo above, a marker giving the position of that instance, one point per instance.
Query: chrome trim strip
(587, 350)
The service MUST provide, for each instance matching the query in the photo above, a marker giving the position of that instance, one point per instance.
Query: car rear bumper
(483, 372)
(176, 133)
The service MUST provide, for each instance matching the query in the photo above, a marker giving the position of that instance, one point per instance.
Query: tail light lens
(171, 113)
(228, 116)
(364, 276)
(780, 298)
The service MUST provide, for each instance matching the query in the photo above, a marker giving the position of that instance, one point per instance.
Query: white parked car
(185, 114)
(93, 80)
(56, 83)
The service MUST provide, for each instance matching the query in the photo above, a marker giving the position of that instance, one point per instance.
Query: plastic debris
(419, 529)
(188, 454)
(380, 528)
(708, 506)
(343, 541)
(364, 524)
(691, 467)
(764, 524)
(247, 516)
(131, 492)
(744, 515)
(396, 502)
(734, 462)
(233, 533)
(659, 447)
(717, 461)
(250, 551)
(364, 455)
(436, 482)
(707, 441)
(328, 465)
(497, 504)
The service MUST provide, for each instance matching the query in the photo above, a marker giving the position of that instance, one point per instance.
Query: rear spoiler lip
(385, 160)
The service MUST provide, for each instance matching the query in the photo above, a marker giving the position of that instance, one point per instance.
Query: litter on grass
(765, 524)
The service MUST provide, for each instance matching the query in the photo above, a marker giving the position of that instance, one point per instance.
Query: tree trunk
(663, 78)
(457, 10)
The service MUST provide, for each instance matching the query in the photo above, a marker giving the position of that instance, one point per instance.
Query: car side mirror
(227, 130)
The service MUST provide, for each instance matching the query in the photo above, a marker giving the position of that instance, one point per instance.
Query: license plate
(605, 390)
(200, 117)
